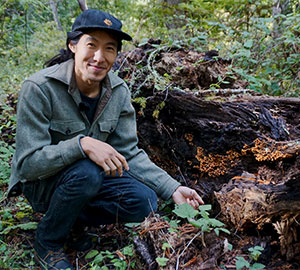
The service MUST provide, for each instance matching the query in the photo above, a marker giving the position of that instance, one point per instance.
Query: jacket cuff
(71, 150)
(80, 137)
(168, 187)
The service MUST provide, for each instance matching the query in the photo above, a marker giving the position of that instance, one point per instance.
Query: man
(76, 156)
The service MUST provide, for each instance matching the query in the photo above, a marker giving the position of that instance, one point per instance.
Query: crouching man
(76, 158)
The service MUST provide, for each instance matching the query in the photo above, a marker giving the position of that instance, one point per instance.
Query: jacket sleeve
(35, 156)
(124, 140)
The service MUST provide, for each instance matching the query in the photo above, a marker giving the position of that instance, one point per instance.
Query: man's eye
(91, 45)
(111, 48)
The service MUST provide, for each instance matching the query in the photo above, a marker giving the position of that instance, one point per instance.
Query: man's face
(95, 54)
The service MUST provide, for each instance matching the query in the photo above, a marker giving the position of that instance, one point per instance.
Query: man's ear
(72, 47)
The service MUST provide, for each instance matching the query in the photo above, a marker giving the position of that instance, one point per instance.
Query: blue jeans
(83, 193)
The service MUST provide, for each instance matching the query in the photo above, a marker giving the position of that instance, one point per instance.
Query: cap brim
(120, 34)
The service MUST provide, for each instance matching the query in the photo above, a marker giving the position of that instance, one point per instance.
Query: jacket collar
(64, 73)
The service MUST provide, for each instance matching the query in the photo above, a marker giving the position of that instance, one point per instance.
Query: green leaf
(26, 226)
(185, 211)
(128, 250)
(201, 223)
(205, 207)
(248, 44)
(162, 261)
(197, 223)
(132, 224)
(98, 259)
(240, 263)
(257, 266)
(217, 231)
(216, 223)
(165, 246)
(92, 254)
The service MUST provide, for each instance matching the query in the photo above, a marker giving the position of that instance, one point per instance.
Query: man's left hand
(187, 195)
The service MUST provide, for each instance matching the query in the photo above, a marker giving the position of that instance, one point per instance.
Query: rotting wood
(252, 140)
(247, 204)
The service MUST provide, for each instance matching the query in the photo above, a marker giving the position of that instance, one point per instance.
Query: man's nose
(99, 55)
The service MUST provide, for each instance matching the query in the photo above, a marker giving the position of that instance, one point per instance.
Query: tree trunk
(279, 7)
(54, 5)
(82, 4)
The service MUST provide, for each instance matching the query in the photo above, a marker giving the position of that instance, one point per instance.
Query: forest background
(261, 37)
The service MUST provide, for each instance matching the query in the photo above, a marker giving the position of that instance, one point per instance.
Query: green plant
(120, 259)
(242, 263)
(205, 222)
(6, 153)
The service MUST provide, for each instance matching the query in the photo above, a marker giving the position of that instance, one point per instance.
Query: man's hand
(104, 155)
(187, 195)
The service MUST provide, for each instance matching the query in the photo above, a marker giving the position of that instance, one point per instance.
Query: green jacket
(50, 125)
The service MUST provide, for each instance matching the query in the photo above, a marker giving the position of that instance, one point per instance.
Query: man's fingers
(118, 165)
(112, 166)
(105, 167)
(123, 161)
(195, 196)
(198, 198)
(192, 203)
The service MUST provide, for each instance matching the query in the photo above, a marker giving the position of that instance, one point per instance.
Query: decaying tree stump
(206, 142)
(233, 145)
(245, 203)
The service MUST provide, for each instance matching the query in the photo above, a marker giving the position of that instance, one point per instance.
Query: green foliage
(205, 222)
(255, 252)
(242, 263)
(16, 254)
(265, 49)
(162, 261)
(120, 260)
(7, 132)
(24, 226)
(6, 153)
(269, 59)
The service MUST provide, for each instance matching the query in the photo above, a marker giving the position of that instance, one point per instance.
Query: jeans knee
(84, 176)
(147, 203)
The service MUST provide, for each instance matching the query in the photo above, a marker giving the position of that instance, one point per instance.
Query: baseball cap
(94, 18)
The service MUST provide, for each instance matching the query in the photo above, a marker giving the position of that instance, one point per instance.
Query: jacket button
(68, 131)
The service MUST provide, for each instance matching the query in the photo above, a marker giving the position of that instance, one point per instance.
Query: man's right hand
(104, 155)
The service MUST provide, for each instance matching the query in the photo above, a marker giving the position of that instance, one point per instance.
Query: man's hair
(66, 54)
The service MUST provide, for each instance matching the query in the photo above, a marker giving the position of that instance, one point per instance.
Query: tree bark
(82, 4)
(54, 5)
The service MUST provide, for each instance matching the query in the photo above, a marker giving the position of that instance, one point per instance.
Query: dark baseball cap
(97, 19)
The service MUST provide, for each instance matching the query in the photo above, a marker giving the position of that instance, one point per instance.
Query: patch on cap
(108, 22)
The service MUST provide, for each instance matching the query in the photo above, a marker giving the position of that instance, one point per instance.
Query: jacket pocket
(63, 130)
(106, 128)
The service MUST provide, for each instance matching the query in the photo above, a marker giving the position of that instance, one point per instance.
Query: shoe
(52, 260)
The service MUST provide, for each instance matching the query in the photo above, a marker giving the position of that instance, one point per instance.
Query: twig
(179, 170)
(77, 264)
(296, 220)
(190, 242)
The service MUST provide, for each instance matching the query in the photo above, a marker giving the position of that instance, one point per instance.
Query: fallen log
(241, 150)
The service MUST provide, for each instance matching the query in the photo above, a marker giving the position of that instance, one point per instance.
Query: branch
(53, 5)
(82, 4)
